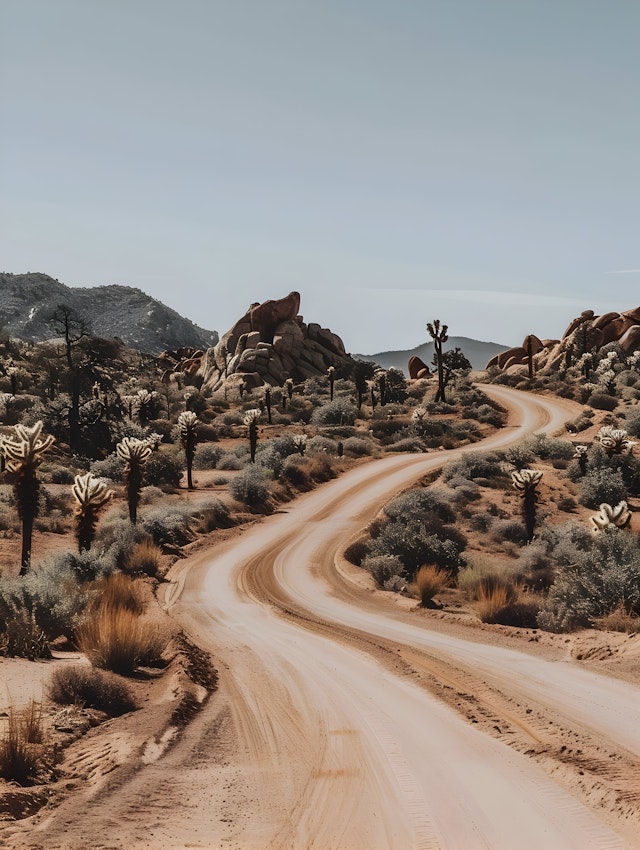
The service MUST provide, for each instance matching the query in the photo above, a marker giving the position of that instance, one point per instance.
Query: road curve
(344, 723)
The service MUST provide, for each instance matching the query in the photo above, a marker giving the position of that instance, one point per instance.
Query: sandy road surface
(343, 722)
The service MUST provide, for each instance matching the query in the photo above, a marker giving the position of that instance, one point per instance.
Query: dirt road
(345, 723)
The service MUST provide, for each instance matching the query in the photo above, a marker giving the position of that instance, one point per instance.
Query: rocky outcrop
(269, 344)
(587, 332)
(417, 368)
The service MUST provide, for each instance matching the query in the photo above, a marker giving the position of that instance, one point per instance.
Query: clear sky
(396, 161)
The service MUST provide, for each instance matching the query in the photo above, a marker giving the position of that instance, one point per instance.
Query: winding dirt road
(343, 722)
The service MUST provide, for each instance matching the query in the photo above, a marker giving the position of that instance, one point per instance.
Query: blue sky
(394, 161)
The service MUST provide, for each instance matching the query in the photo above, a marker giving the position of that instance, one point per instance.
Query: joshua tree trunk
(439, 335)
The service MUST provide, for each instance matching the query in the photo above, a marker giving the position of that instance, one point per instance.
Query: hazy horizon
(474, 162)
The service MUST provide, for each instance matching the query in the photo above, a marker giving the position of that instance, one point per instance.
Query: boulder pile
(269, 344)
(587, 332)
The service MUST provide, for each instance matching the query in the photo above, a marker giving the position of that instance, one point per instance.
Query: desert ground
(346, 717)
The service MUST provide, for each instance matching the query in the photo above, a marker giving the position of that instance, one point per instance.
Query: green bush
(602, 485)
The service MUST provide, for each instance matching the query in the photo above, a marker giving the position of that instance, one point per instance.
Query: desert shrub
(619, 621)
(358, 447)
(601, 580)
(511, 530)
(230, 462)
(207, 456)
(213, 514)
(602, 485)
(567, 504)
(251, 487)
(356, 552)
(581, 423)
(383, 568)
(602, 401)
(90, 688)
(118, 640)
(59, 474)
(520, 456)
(414, 545)
(220, 480)
(407, 444)
(295, 471)
(149, 495)
(486, 414)
(550, 448)
(111, 467)
(431, 580)
(473, 465)
(168, 525)
(464, 489)
(632, 424)
(163, 468)
(413, 504)
(21, 636)
(322, 445)
(115, 538)
(144, 557)
(23, 756)
(494, 593)
(475, 570)
(340, 411)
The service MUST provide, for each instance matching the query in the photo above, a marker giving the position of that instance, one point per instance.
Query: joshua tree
(615, 441)
(362, 374)
(374, 398)
(331, 372)
(187, 423)
(23, 454)
(135, 453)
(439, 335)
(146, 404)
(382, 383)
(91, 495)
(580, 455)
(289, 387)
(267, 402)
(451, 365)
(608, 517)
(526, 482)
(251, 418)
(300, 443)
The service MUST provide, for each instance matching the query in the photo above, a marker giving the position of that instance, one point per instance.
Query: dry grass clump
(90, 688)
(619, 621)
(144, 557)
(431, 580)
(493, 594)
(23, 755)
(116, 639)
(118, 591)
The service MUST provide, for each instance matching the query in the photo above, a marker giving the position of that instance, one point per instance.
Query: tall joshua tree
(439, 335)
(91, 495)
(23, 454)
(188, 423)
(526, 482)
(135, 453)
(251, 418)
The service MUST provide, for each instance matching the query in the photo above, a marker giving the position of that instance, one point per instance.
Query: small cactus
(23, 454)
(526, 482)
(608, 517)
(187, 424)
(300, 443)
(91, 495)
(135, 453)
(331, 372)
(251, 418)
(289, 387)
(580, 454)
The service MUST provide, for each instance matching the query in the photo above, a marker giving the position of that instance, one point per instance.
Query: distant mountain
(28, 301)
(478, 353)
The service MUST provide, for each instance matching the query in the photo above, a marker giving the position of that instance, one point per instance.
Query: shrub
(163, 468)
(207, 456)
(358, 447)
(251, 487)
(118, 640)
(213, 514)
(407, 444)
(602, 401)
(84, 686)
(633, 424)
(414, 545)
(472, 465)
(431, 580)
(295, 471)
(602, 578)
(510, 530)
(415, 503)
(112, 467)
(340, 411)
(322, 445)
(494, 594)
(602, 485)
(230, 462)
(383, 568)
(169, 525)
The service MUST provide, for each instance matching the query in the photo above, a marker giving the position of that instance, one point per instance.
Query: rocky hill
(28, 301)
(477, 352)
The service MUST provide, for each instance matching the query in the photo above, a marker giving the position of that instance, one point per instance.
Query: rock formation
(418, 368)
(269, 344)
(587, 332)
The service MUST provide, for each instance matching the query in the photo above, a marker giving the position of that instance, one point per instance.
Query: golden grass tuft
(118, 591)
(119, 640)
(23, 756)
(431, 580)
(143, 558)
(494, 594)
